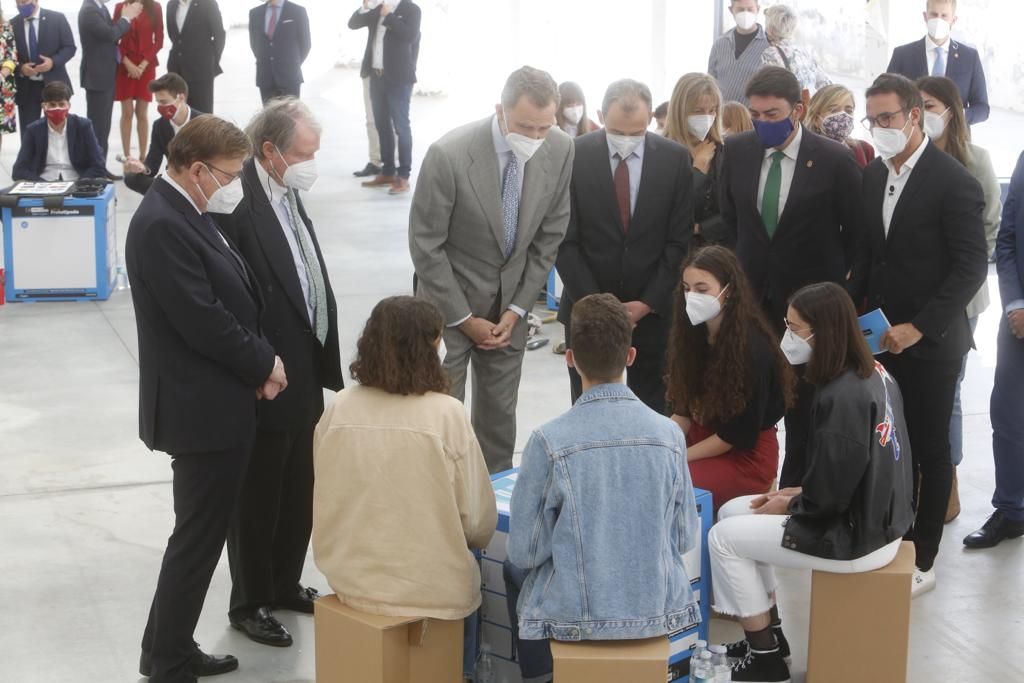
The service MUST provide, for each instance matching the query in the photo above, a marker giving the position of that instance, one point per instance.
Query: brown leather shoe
(953, 508)
(380, 181)
(400, 186)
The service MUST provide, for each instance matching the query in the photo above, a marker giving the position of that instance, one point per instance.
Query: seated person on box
(59, 146)
(728, 383)
(603, 509)
(401, 493)
(854, 505)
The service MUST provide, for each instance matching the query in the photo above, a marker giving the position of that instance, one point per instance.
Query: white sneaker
(922, 582)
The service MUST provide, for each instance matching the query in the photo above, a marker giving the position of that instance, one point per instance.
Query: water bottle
(484, 666)
(720, 663)
(702, 670)
(698, 647)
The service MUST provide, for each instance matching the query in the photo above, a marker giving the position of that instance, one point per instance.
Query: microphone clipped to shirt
(892, 190)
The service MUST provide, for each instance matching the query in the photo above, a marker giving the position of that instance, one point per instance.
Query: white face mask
(226, 198)
(935, 124)
(300, 176)
(523, 147)
(625, 145)
(700, 125)
(890, 141)
(573, 114)
(745, 20)
(938, 29)
(795, 348)
(701, 308)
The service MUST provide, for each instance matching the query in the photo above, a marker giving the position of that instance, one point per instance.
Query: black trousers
(269, 536)
(30, 102)
(200, 95)
(99, 108)
(140, 182)
(269, 92)
(206, 486)
(928, 387)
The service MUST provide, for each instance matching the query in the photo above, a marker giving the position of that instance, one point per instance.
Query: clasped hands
(486, 335)
(45, 64)
(776, 502)
(275, 383)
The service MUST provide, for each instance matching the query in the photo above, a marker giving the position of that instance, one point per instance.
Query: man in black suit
(938, 55)
(269, 538)
(791, 198)
(60, 146)
(279, 37)
(203, 363)
(923, 258)
(629, 227)
(170, 92)
(45, 45)
(100, 34)
(197, 35)
(392, 50)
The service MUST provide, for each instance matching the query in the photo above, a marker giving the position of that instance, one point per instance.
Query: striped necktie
(317, 286)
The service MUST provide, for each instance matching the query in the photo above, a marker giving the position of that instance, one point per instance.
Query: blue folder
(874, 325)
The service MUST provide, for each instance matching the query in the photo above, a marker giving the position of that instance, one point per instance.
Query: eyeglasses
(232, 177)
(883, 120)
(794, 328)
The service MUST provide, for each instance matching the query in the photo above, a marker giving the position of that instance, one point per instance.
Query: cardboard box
(355, 647)
(854, 614)
(611, 661)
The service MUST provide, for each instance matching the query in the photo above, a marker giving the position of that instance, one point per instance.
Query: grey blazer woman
(979, 163)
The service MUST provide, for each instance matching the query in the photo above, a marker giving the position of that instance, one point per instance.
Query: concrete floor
(85, 509)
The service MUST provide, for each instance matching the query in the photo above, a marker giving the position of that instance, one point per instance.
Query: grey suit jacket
(456, 231)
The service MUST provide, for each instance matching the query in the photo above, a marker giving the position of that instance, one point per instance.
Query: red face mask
(167, 110)
(56, 116)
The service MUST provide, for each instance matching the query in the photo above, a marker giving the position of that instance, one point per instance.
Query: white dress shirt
(788, 165)
(183, 6)
(930, 46)
(278, 196)
(635, 164)
(896, 182)
(58, 160)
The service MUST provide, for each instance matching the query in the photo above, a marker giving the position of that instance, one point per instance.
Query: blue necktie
(33, 41)
(510, 203)
(939, 68)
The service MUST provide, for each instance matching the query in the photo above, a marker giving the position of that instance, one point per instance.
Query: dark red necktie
(622, 191)
(274, 9)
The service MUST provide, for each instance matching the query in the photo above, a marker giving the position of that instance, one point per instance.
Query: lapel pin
(810, 163)
(956, 55)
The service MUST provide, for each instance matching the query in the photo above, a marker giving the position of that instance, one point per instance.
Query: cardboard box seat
(611, 661)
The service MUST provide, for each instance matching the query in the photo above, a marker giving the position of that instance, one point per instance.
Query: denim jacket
(602, 512)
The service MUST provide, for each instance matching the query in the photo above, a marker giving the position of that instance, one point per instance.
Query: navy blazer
(963, 67)
(83, 148)
(1010, 242)
(54, 40)
(279, 60)
(99, 34)
(401, 41)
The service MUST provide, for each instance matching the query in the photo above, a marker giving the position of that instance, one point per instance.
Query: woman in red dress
(138, 49)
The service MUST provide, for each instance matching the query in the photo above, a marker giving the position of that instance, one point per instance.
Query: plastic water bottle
(720, 663)
(702, 671)
(698, 647)
(484, 665)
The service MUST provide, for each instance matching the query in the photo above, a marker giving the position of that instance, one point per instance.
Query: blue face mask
(773, 133)
(27, 10)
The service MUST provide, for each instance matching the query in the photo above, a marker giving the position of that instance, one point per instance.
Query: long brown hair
(839, 343)
(396, 350)
(712, 383)
(572, 92)
(958, 134)
(149, 7)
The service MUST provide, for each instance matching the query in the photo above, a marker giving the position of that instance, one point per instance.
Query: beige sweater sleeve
(473, 491)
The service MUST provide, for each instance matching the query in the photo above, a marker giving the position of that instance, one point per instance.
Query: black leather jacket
(857, 492)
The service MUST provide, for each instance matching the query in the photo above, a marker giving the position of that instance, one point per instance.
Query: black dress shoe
(300, 601)
(262, 627)
(995, 530)
(368, 170)
(113, 176)
(201, 664)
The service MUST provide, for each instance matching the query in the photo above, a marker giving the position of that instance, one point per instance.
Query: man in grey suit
(488, 214)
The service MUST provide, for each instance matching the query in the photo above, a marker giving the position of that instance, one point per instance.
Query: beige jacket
(979, 163)
(401, 495)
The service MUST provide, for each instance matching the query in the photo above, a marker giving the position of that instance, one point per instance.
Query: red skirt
(735, 473)
(131, 88)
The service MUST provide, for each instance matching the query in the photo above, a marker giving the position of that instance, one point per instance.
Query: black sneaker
(370, 169)
(761, 667)
(740, 648)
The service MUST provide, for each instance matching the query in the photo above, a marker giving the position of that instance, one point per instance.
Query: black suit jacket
(401, 41)
(820, 228)
(197, 47)
(54, 40)
(279, 60)
(99, 34)
(642, 264)
(197, 309)
(160, 138)
(83, 149)
(934, 258)
(310, 366)
(963, 67)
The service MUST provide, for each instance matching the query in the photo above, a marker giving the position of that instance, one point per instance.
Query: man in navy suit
(45, 45)
(61, 146)
(1006, 408)
(279, 37)
(938, 55)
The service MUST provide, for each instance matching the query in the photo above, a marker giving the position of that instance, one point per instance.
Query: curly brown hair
(396, 350)
(713, 383)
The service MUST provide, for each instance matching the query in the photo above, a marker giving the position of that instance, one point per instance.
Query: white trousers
(745, 549)
(371, 126)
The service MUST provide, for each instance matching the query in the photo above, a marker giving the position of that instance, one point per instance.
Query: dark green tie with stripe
(772, 187)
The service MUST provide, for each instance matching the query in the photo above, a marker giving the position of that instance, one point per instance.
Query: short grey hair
(276, 123)
(532, 83)
(627, 92)
(780, 22)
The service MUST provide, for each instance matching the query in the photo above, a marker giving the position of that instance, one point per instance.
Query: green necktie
(772, 187)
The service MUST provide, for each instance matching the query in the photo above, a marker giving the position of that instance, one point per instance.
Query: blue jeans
(956, 422)
(391, 114)
(1007, 412)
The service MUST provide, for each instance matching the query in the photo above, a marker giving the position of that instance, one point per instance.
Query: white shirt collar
(274, 190)
(793, 148)
(501, 145)
(58, 133)
(931, 46)
(910, 163)
(173, 183)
